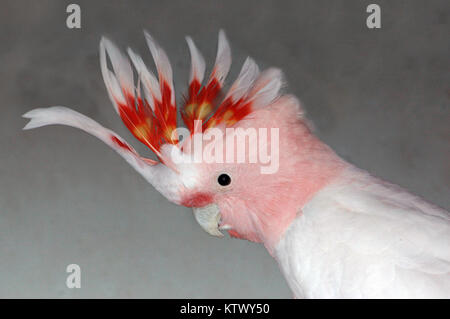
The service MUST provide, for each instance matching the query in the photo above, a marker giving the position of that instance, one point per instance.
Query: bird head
(237, 162)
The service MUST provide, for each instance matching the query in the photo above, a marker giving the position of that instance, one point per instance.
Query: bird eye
(224, 179)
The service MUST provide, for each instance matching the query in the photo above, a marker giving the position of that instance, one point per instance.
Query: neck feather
(310, 166)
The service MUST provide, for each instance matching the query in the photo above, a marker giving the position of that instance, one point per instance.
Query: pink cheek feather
(197, 200)
(235, 234)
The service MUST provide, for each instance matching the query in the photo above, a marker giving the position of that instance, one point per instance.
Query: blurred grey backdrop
(380, 98)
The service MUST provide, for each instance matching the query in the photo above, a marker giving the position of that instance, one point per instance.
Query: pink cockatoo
(335, 230)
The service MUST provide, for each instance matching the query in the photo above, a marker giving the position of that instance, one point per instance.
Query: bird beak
(209, 218)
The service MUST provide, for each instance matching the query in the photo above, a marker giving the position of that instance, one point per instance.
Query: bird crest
(148, 108)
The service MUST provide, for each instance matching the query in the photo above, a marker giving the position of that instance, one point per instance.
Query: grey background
(380, 98)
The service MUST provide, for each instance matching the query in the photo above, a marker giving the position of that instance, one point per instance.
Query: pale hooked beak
(209, 218)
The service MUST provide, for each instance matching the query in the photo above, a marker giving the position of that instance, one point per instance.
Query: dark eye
(224, 179)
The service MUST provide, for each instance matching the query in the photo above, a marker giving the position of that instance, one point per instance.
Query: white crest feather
(244, 81)
(64, 116)
(197, 62)
(112, 85)
(122, 78)
(162, 63)
(150, 83)
(266, 88)
(223, 59)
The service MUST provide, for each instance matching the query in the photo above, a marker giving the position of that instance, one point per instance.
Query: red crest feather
(151, 117)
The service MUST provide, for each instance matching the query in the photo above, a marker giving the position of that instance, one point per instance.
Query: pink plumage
(336, 231)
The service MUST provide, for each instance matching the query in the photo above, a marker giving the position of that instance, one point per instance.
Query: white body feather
(360, 237)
